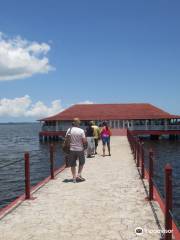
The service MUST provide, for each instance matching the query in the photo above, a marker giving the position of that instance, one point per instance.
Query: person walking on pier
(96, 135)
(90, 140)
(78, 142)
(105, 136)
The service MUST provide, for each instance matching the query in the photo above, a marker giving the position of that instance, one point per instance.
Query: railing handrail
(12, 163)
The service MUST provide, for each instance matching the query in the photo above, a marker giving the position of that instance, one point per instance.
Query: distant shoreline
(17, 123)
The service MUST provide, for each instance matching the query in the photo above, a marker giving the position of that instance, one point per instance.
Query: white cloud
(39, 109)
(20, 58)
(86, 102)
(23, 107)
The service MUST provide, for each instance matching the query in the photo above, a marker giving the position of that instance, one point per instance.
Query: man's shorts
(106, 140)
(75, 155)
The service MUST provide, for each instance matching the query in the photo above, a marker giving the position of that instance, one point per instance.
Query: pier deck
(109, 205)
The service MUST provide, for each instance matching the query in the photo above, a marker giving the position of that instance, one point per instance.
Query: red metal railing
(27, 171)
(28, 190)
(153, 194)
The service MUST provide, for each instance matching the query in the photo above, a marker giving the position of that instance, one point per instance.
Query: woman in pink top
(105, 136)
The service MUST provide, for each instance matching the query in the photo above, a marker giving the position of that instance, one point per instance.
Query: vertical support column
(52, 161)
(138, 152)
(56, 126)
(165, 124)
(135, 151)
(142, 161)
(150, 175)
(27, 176)
(132, 145)
(118, 124)
(146, 124)
(135, 148)
(127, 124)
(168, 202)
(132, 124)
(40, 137)
(123, 123)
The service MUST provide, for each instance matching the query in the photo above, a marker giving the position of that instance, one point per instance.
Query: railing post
(168, 202)
(131, 143)
(134, 147)
(142, 161)
(150, 175)
(52, 161)
(138, 152)
(27, 176)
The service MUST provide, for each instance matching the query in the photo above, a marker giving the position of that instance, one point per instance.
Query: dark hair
(90, 123)
(105, 125)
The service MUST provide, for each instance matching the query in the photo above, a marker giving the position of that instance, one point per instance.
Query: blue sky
(97, 51)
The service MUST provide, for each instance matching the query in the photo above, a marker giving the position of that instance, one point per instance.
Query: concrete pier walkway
(109, 205)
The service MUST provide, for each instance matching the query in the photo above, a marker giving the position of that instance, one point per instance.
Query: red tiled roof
(111, 112)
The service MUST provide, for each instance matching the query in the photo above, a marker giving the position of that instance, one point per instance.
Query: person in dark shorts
(77, 144)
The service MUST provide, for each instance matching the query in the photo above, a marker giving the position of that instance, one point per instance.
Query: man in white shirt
(77, 143)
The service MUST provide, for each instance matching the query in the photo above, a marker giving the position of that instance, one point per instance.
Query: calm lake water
(166, 151)
(15, 139)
